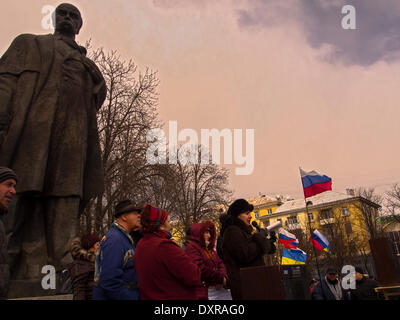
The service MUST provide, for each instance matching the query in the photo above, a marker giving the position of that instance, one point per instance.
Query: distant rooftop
(319, 199)
(261, 200)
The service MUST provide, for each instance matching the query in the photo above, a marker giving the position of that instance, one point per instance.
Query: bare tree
(129, 112)
(369, 211)
(195, 191)
(392, 202)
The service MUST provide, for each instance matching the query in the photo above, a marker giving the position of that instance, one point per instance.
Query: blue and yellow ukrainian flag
(294, 256)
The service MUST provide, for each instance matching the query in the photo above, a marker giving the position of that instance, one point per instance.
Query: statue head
(67, 20)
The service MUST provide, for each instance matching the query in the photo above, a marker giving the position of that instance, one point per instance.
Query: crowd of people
(137, 260)
(330, 287)
(151, 266)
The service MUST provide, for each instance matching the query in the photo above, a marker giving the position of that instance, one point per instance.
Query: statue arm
(100, 87)
(12, 64)
(8, 84)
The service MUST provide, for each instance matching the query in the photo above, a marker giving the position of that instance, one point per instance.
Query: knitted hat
(331, 270)
(6, 174)
(239, 206)
(152, 218)
(126, 206)
(89, 240)
(359, 270)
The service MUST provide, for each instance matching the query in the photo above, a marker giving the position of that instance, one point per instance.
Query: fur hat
(331, 270)
(239, 206)
(359, 270)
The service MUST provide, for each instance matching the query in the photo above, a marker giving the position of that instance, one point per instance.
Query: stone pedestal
(28, 288)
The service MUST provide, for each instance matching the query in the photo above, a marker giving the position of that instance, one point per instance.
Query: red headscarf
(152, 218)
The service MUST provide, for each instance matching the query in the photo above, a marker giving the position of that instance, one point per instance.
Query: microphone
(268, 232)
(262, 231)
(255, 224)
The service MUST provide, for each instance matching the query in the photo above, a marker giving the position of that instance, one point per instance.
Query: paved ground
(56, 297)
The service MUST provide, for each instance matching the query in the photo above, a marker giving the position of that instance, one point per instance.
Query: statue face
(68, 19)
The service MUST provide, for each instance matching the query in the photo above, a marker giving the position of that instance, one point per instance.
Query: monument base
(28, 288)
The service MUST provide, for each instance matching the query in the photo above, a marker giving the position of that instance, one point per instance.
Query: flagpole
(309, 223)
(315, 252)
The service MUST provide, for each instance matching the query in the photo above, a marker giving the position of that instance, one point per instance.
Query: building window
(269, 211)
(292, 220)
(256, 214)
(311, 217)
(326, 214)
(394, 237)
(349, 230)
(345, 212)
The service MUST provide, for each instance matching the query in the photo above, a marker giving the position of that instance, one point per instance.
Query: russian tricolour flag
(319, 241)
(288, 240)
(314, 183)
(294, 256)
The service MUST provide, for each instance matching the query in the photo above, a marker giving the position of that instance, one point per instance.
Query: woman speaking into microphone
(240, 246)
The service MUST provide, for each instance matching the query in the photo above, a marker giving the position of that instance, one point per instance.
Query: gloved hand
(263, 232)
(273, 248)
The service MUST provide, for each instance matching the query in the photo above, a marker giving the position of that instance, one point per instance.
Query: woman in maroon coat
(164, 270)
(201, 249)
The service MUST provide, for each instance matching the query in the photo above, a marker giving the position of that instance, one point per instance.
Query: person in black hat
(240, 246)
(364, 287)
(8, 182)
(115, 277)
(329, 288)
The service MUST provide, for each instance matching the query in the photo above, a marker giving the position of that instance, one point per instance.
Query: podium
(261, 283)
(385, 263)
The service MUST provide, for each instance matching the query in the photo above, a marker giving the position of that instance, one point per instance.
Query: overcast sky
(317, 96)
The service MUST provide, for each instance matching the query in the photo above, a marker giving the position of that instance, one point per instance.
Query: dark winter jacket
(115, 277)
(81, 271)
(4, 268)
(322, 292)
(364, 290)
(241, 248)
(212, 268)
(164, 270)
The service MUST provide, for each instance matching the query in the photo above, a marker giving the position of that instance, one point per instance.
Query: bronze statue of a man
(50, 93)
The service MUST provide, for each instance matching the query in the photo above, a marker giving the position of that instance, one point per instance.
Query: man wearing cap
(329, 288)
(115, 277)
(364, 287)
(8, 181)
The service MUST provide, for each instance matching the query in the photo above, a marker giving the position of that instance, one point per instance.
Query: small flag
(319, 241)
(314, 183)
(287, 239)
(294, 256)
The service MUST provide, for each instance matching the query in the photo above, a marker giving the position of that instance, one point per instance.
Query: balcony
(326, 221)
(293, 226)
